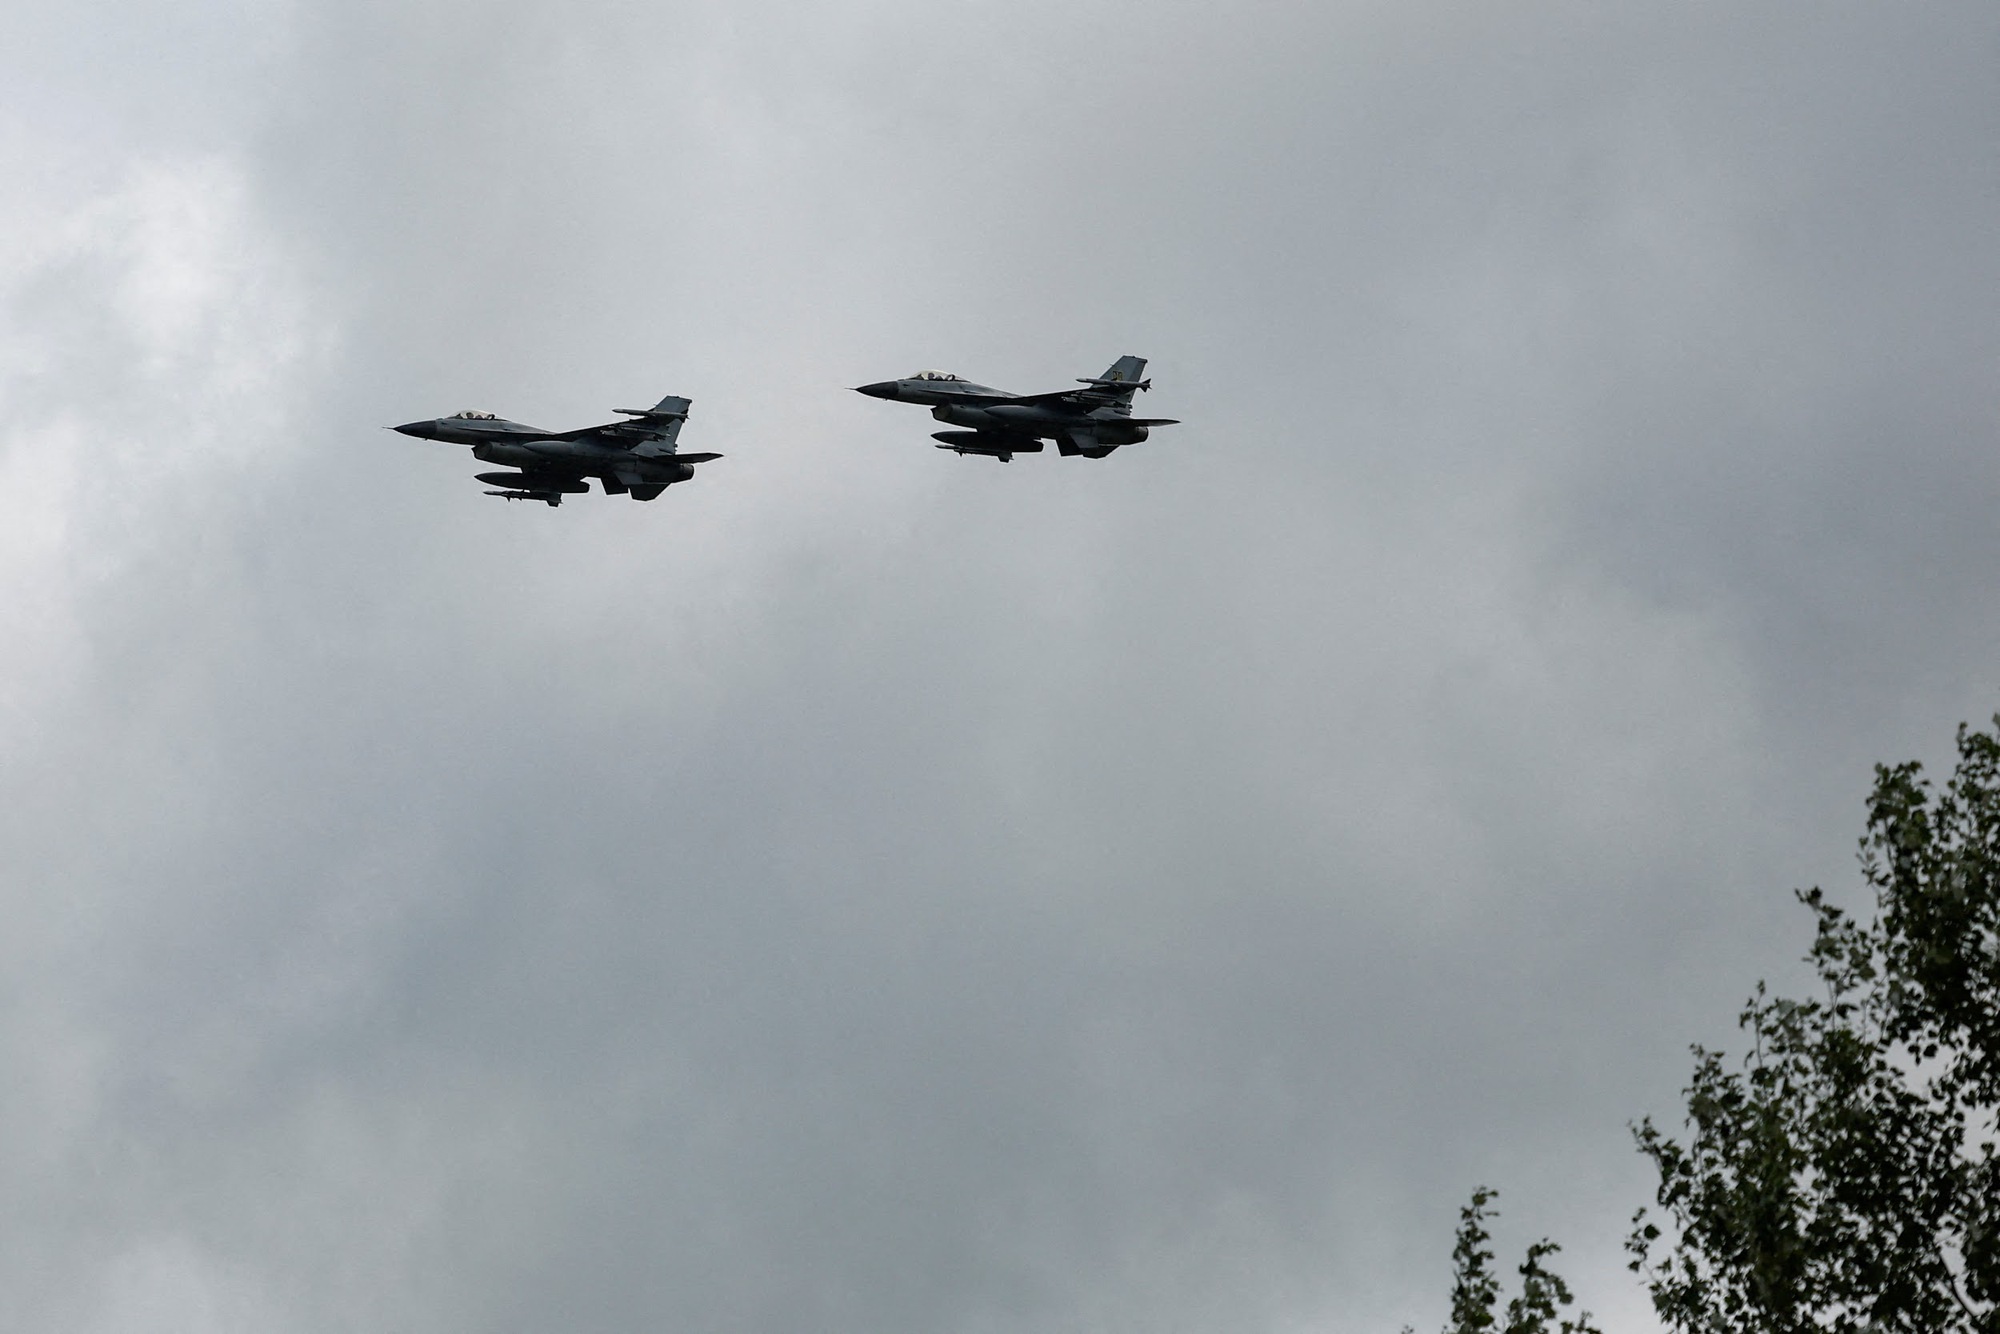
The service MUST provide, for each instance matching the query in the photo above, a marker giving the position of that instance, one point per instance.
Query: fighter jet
(636, 457)
(1091, 421)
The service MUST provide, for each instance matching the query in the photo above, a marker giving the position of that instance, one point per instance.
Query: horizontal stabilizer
(695, 458)
(1147, 421)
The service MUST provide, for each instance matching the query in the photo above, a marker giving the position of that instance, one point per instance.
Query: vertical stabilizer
(665, 419)
(1113, 390)
(1129, 370)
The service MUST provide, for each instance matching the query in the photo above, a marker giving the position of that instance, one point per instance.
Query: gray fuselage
(1091, 421)
(532, 449)
(957, 403)
(637, 457)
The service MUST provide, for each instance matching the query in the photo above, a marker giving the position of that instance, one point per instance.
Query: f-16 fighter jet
(1091, 421)
(637, 457)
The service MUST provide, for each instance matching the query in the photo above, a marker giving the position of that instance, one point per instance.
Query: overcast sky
(869, 891)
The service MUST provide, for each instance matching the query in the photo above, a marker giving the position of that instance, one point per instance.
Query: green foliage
(1475, 1289)
(1541, 1293)
(1842, 1175)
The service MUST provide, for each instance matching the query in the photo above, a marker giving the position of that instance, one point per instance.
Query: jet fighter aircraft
(638, 457)
(1091, 421)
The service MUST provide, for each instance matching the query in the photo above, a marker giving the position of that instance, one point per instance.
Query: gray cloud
(868, 889)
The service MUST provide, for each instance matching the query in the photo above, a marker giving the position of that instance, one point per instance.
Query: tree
(1475, 1289)
(1841, 1175)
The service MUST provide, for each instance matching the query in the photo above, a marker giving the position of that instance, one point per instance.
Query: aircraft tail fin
(1118, 383)
(1128, 370)
(1114, 389)
(662, 422)
(669, 415)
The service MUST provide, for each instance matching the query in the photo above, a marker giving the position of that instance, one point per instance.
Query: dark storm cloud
(871, 889)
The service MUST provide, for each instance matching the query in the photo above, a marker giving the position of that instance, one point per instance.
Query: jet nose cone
(421, 430)
(881, 389)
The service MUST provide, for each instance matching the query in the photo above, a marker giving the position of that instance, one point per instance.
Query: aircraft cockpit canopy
(472, 414)
(937, 375)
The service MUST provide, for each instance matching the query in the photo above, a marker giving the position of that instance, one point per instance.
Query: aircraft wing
(1084, 400)
(1116, 385)
(659, 424)
(622, 434)
(1080, 398)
